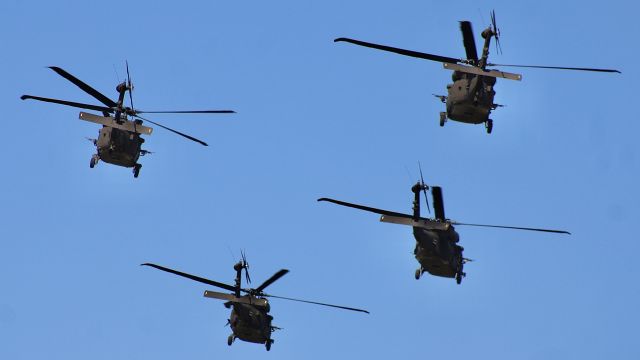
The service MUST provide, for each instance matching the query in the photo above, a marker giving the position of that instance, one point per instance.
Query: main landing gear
(268, 343)
(136, 170)
(443, 118)
(488, 125)
(459, 277)
(230, 339)
(419, 272)
(94, 160)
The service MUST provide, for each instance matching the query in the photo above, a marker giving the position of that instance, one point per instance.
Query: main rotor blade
(411, 53)
(86, 88)
(468, 40)
(558, 68)
(438, 202)
(187, 112)
(366, 208)
(317, 303)
(272, 279)
(69, 103)
(192, 277)
(174, 131)
(513, 227)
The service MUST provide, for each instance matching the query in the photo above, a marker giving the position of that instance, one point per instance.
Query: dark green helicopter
(119, 141)
(470, 96)
(249, 320)
(437, 249)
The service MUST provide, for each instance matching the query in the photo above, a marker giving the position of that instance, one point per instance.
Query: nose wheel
(268, 343)
(230, 339)
(418, 273)
(459, 277)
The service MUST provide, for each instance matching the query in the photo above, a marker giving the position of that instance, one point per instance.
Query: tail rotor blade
(493, 22)
(424, 188)
(129, 85)
(245, 265)
(496, 32)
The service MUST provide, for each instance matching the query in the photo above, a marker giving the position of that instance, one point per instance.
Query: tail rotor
(424, 187)
(245, 266)
(129, 86)
(496, 32)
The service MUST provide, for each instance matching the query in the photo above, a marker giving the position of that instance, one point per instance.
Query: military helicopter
(437, 249)
(119, 141)
(470, 96)
(250, 320)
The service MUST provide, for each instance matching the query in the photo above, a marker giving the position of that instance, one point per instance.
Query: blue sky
(318, 119)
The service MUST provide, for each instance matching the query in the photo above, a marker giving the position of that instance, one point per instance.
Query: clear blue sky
(318, 119)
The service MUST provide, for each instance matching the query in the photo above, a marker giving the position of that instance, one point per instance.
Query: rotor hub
(419, 186)
(122, 87)
(487, 33)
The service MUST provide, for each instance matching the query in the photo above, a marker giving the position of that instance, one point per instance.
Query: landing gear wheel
(136, 170)
(489, 126)
(443, 118)
(230, 339)
(93, 161)
(268, 344)
(418, 274)
(458, 278)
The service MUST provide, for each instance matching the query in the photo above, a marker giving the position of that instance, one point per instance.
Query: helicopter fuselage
(470, 98)
(119, 140)
(119, 147)
(251, 323)
(437, 251)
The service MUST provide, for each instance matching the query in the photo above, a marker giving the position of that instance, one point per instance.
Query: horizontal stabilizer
(110, 122)
(478, 71)
(423, 223)
(234, 299)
